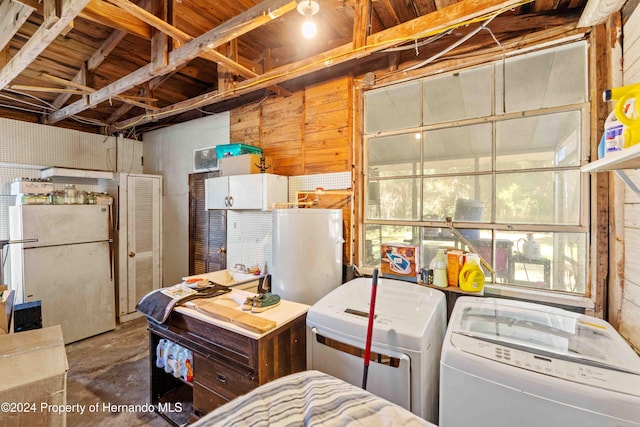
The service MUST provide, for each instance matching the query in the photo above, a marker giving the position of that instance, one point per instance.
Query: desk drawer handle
(222, 378)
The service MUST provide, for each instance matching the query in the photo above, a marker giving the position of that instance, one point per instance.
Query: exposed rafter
(229, 30)
(458, 13)
(191, 54)
(12, 16)
(39, 41)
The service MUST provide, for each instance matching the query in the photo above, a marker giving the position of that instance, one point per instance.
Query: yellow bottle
(626, 110)
(471, 275)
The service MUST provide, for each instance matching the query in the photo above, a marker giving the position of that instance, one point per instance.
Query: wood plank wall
(629, 287)
(310, 132)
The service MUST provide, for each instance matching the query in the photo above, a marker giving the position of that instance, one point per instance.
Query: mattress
(310, 398)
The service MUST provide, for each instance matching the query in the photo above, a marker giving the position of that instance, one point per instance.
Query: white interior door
(144, 265)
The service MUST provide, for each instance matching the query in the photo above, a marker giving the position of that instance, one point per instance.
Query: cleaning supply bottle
(440, 270)
(626, 110)
(471, 275)
(614, 134)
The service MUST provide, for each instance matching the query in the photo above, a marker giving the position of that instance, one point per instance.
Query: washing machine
(408, 329)
(510, 363)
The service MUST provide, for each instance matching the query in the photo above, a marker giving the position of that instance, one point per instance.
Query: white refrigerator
(307, 253)
(69, 269)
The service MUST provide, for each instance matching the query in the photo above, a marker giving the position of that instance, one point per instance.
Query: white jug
(530, 248)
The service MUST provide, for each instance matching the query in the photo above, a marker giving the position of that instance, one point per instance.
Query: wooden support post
(159, 39)
(52, 10)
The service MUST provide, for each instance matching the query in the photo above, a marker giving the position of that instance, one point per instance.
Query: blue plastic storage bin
(228, 150)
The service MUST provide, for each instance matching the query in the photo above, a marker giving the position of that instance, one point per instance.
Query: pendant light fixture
(308, 8)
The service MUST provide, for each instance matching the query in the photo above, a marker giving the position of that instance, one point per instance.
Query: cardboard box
(399, 261)
(33, 368)
(31, 187)
(455, 260)
(244, 164)
(6, 308)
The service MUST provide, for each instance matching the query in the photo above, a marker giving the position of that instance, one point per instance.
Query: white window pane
(463, 198)
(390, 108)
(551, 197)
(394, 199)
(543, 79)
(546, 260)
(538, 142)
(458, 149)
(395, 155)
(376, 234)
(462, 95)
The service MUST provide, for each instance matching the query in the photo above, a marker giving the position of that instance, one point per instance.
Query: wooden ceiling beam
(183, 37)
(439, 20)
(12, 16)
(597, 11)
(28, 88)
(104, 13)
(92, 63)
(39, 41)
(89, 90)
(96, 59)
(240, 24)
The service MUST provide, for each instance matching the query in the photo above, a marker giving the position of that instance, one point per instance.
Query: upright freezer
(69, 269)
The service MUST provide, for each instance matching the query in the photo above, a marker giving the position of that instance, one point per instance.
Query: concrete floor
(111, 369)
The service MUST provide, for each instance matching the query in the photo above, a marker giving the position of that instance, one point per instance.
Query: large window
(498, 149)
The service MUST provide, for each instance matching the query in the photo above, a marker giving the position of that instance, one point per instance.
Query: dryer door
(389, 374)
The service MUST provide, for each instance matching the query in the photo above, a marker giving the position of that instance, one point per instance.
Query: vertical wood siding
(307, 133)
(630, 305)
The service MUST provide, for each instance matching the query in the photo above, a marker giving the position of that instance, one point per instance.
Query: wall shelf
(75, 173)
(629, 158)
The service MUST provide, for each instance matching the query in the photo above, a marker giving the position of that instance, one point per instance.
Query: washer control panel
(602, 377)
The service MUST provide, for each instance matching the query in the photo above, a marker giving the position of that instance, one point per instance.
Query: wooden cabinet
(256, 191)
(226, 363)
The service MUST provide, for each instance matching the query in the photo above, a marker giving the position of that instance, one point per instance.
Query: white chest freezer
(408, 330)
(510, 363)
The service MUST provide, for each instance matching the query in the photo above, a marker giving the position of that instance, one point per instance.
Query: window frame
(583, 226)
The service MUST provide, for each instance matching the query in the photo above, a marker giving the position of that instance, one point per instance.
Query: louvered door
(144, 268)
(207, 229)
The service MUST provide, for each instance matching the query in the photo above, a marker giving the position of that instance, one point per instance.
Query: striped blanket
(310, 398)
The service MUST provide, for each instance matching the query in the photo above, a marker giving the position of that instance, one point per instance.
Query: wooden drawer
(205, 400)
(227, 380)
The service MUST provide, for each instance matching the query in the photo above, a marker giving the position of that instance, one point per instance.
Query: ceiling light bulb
(309, 28)
(308, 8)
